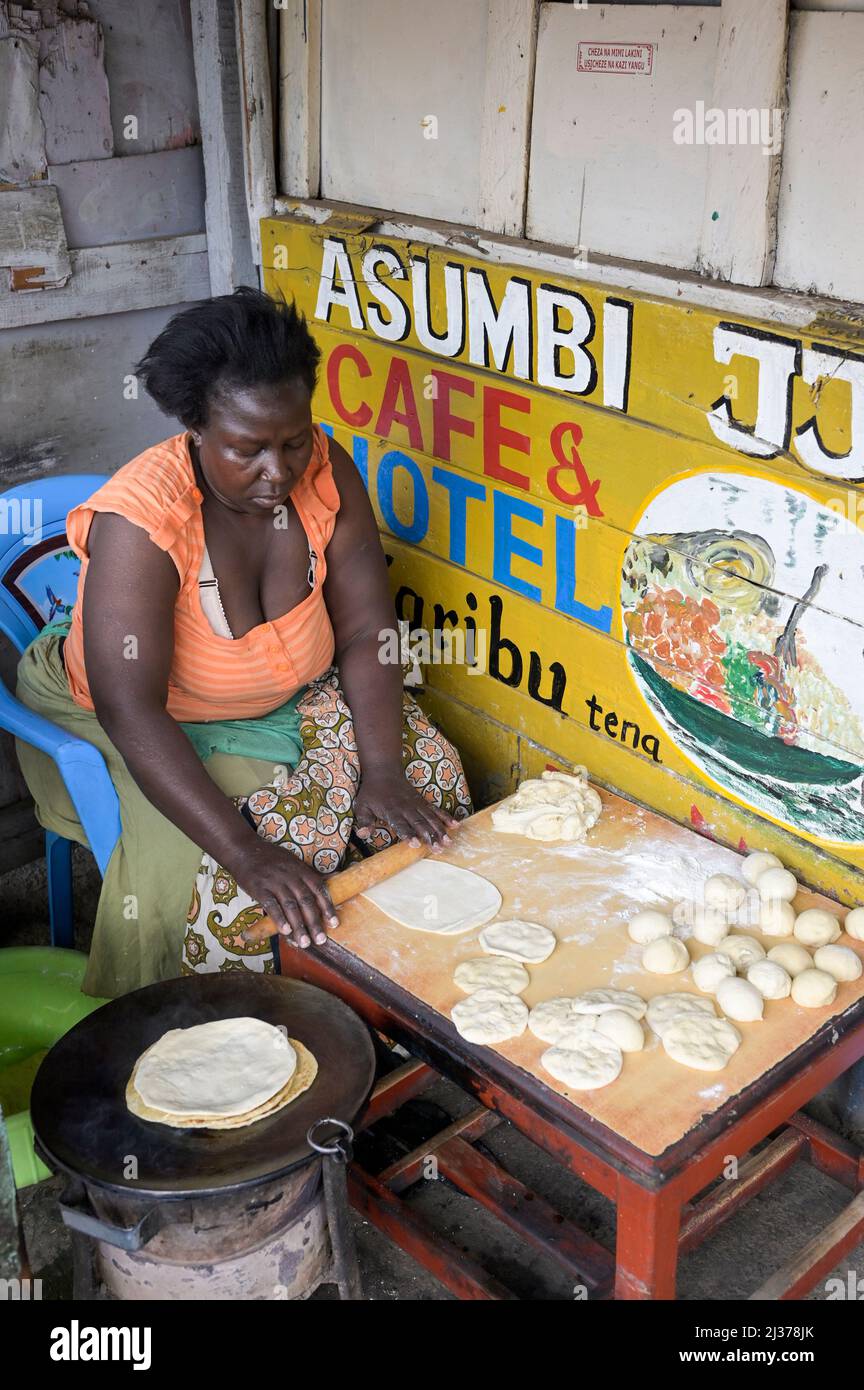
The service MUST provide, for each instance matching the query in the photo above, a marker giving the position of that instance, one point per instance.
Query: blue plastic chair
(38, 584)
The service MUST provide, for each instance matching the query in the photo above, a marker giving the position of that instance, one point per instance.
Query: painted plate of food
(746, 638)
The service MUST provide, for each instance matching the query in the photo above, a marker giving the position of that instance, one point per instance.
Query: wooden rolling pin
(350, 882)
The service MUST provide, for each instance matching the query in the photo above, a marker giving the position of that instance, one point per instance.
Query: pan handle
(79, 1215)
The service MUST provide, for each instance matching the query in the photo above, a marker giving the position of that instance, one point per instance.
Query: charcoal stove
(162, 1213)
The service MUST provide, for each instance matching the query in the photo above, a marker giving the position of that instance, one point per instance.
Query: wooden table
(659, 1135)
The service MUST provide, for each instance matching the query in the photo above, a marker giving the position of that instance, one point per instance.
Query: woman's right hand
(293, 894)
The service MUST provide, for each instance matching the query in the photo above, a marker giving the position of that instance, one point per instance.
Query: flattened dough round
(518, 940)
(593, 1063)
(490, 1016)
(554, 1020)
(306, 1071)
(600, 1001)
(697, 1041)
(663, 1009)
(227, 1067)
(491, 972)
(437, 897)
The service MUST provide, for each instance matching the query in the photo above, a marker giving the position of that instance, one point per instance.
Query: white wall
(820, 243)
(387, 65)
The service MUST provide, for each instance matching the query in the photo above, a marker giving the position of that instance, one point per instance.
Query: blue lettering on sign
(420, 524)
(460, 490)
(506, 545)
(359, 452)
(565, 579)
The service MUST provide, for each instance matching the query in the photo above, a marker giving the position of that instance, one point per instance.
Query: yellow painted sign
(639, 521)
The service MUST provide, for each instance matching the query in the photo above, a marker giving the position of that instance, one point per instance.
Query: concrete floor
(730, 1266)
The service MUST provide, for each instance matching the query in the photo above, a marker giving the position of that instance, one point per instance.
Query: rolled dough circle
(776, 917)
(724, 892)
(301, 1080)
(756, 864)
(434, 896)
(553, 1020)
(490, 1016)
(816, 927)
(777, 883)
(709, 970)
(491, 972)
(840, 962)
(593, 1063)
(771, 980)
(622, 1028)
(814, 989)
(740, 1000)
(602, 1000)
(743, 950)
(224, 1068)
(663, 1009)
(854, 923)
(699, 1041)
(649, 925)
(665, 956)
(792, 957)
(518, 940)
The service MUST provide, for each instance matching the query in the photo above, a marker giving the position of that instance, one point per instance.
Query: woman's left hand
(388, 798)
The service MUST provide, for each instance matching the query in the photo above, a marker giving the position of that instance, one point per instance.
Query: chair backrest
(38, 571)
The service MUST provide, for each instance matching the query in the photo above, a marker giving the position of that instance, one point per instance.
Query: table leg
(646, 1254)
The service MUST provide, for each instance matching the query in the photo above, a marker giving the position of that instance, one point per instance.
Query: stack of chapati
(220, 1075)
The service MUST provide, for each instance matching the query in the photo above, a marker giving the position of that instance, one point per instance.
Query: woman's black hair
(240, 339)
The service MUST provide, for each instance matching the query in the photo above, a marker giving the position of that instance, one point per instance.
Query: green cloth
(274, 736)
(146, 891)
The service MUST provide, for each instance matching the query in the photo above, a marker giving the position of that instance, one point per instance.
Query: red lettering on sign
(363, 414)
(443, 422)
(398, 384)
(497, 436)
(570, 462)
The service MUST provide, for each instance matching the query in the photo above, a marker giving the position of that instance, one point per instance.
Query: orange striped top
(213, 677)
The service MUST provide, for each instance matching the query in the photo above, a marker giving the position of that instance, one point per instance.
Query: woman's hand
(389, 798)
(293, 894)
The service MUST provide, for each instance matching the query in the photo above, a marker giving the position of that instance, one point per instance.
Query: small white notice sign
(615, 57)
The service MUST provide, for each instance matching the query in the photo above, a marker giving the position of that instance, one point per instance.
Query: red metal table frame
(662, 1206)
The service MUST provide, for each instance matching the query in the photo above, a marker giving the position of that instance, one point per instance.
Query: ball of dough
(814, 989)
(649, 926)
(622, 1028)
(724, 892)
(840, 962)
(756, 864)
(792, 957)
(744, 950)
(777, 883)
(771, 980)
(854, 923)
(815, 927)
(707, 924)
(776, 917)
(740, 1000)
(708, 971)
(665, 956)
